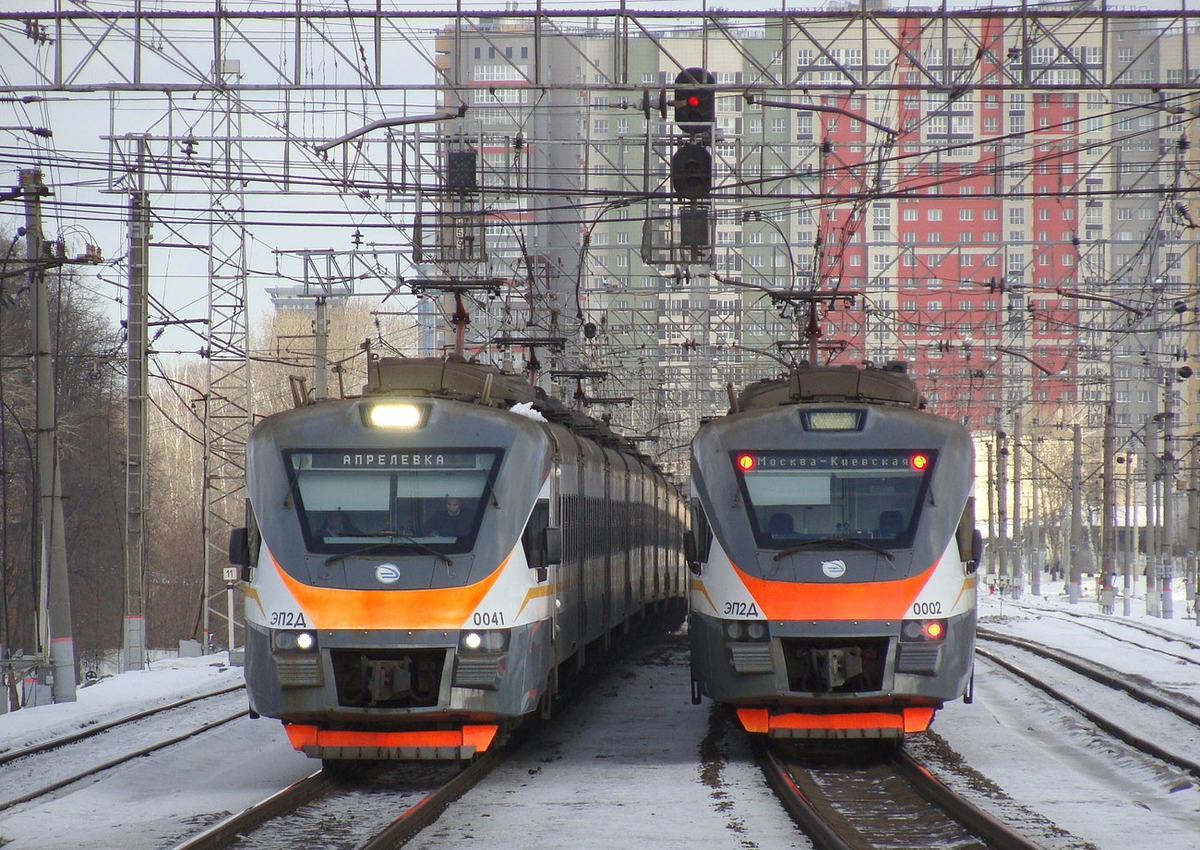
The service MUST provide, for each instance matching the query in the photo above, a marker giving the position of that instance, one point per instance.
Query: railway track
(1172, 719)
(848, 797)
(381, 807)
(41, 769)
(1190, 654)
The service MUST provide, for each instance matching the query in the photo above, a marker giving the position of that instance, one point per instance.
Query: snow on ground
(1054, 763)
(163, 682)
(610, 779)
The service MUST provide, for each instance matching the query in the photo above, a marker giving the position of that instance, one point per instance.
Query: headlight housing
(393, 414)
(294, 641)
(484, 640)
(754, 631)
(927, 631)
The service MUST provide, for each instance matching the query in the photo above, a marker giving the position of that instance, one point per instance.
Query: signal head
(695, 105)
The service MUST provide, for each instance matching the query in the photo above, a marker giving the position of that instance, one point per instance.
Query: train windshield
(869, 496)
(395, 500)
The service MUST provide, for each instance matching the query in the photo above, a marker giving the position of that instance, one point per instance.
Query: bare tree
(91, 442)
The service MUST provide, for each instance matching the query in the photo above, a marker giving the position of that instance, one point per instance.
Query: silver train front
(393, 641)
(809, 619)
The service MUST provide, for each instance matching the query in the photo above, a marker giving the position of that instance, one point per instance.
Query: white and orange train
(833, 556)
(424, 562)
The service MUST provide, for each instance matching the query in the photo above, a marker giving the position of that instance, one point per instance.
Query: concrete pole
(1035, 536)
(991, 502)
(1002, 505)
(1168, 499)
(1018, 587)
(1108, 555)
(1152, 598)
(1130, 540)
(1075, 574)
(321, 358)
(137, 388)
(1194, 528)
(55, 598)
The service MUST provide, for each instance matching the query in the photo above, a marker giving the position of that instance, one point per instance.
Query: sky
(636, 764)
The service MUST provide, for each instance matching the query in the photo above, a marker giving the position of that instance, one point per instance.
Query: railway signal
(692, 172)
(692, 164)
(695, 100)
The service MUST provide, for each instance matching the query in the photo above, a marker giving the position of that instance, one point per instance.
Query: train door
(583, 525)
(606, 536)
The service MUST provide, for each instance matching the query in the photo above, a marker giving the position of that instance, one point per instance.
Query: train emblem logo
(834, 569)
(387, 573)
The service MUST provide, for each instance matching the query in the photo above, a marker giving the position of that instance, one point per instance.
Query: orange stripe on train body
(432, 608)
(874, 600)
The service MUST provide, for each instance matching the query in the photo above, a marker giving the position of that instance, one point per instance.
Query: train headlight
(392, 415)
(294, 641)
(484, 641)
(923, 630)
(742, 630)
(832, 420)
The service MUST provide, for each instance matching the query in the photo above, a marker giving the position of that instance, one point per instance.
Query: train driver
(451, 521)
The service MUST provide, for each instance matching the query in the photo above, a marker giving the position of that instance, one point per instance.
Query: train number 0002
(488, 618)
(926, 609)
(741, 609)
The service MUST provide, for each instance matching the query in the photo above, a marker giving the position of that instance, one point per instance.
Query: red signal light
(746, 462)
(693, 101)
(919, 462)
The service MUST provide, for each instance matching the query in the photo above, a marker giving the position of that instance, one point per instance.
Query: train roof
(476, 383)
(887, 385)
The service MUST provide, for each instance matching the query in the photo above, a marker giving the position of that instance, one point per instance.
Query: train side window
(700, 535)
(543, 545)
(970, 539)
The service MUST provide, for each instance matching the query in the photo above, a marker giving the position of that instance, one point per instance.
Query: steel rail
(63, 740)
(1114, 729)
(117, 762)
(829, 830)
(284, 802)
(1097, 673)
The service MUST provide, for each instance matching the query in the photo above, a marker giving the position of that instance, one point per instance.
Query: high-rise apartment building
(1004, 201)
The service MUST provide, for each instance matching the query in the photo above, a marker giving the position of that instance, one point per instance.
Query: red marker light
(693, 100)
(919, 461)
(934, 630)
(745, 462)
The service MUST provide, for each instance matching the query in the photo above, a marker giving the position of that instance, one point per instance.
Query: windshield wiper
(375, 547)
(840, 541)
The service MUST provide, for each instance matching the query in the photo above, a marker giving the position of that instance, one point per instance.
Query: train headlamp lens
(495, 640)
(294, 641)
(746, 462)
(394, 416)
(742, 630)
(833, 420)
(927, 630)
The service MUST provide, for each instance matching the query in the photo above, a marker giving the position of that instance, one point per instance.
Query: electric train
(424, 562)
(833, 556)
